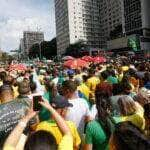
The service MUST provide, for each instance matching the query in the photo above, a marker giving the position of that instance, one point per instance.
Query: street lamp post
(40, 49)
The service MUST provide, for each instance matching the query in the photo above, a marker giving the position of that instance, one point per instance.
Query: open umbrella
(76, 63)
(67, 58)
(87, 58)
(99, 59)
(17, 67)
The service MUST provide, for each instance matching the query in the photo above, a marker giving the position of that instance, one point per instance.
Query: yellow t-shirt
(15, 90)
(84, 89)
(92, 83)
(9, 147)
(125, 68)
(65, 144)
(52, 127)
(136, 119)
(120, 77)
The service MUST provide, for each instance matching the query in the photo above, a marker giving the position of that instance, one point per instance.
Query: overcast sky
(19, 15)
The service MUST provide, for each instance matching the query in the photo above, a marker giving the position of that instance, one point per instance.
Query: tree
(6, 57)
(34, 51)
(48, 49)
(75, 49)
(117, 32)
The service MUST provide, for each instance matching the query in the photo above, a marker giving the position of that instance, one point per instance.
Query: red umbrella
(99, 59)
(87, 58)
(76, 63)
(68, 58)
(17, 67)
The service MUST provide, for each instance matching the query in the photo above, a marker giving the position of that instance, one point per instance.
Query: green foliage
(6, 57)
(75, 49)
(116, 33)
(48, 49)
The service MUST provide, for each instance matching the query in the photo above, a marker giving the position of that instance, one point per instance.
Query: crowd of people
(100, 107)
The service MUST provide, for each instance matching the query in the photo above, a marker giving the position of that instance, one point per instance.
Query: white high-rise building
(78, 20)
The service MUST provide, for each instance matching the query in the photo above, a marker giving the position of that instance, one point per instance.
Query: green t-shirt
(112, 80)
(44, 114)
(96, 135)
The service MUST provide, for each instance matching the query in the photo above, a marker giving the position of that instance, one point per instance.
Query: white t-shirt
(78, 112)
(93, 112)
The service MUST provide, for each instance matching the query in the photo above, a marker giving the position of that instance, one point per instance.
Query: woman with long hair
(131, 111)
(128, 137)
(99, 131)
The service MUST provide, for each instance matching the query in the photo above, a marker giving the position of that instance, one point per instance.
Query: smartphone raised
(36, 104)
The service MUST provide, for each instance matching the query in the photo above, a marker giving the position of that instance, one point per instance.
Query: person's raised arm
(59, 120)
(15, 135)
(39, 87)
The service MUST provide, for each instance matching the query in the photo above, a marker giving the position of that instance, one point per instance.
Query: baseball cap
(70, 72)
(60, 102)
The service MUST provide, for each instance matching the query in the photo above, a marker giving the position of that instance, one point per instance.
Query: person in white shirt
(79, 113)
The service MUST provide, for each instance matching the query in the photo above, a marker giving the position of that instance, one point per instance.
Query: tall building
(111, 12)
(78, 20)
(30, 38)
(137, 21)
(21, 46)
(136, 27)
(137, 17)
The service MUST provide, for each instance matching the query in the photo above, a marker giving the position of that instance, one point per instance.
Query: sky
(17, 16)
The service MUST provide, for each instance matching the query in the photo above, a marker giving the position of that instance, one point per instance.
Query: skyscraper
(137, 17)
(137, 21)
(111, 12)
(30, 38)
(78, 20)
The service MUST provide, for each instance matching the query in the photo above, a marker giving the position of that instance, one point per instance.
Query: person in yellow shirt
(125, 68)
(83, 88)
(92, 82)
(131, 111)
(120, 74)
(60, 104)
(40, 139)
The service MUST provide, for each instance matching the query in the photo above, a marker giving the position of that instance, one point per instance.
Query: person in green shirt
(112, 78)
(99, 131)
(44, 114)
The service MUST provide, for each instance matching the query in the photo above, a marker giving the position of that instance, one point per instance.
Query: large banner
(134, 43)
